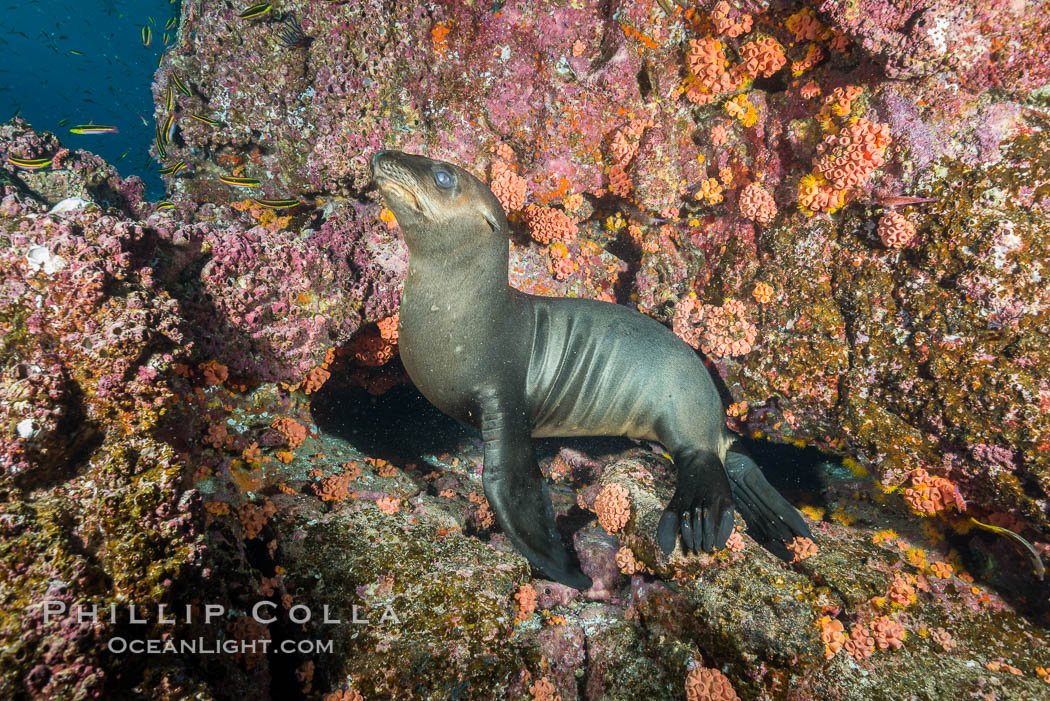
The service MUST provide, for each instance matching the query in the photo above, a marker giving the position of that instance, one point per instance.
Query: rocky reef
(842, 206)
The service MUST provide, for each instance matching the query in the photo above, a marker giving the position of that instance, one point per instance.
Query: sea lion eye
(443, 178)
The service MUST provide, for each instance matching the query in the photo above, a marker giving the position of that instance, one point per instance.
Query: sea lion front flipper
(701, 508)
(769, 516)
(518, 494)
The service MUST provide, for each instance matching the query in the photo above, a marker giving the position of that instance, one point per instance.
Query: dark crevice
(645, 85)
(82, 438)
(399, 425)
(778, 82)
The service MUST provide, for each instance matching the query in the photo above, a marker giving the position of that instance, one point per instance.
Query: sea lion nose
(377, 159)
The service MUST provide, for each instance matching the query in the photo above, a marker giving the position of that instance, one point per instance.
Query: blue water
(109, 84)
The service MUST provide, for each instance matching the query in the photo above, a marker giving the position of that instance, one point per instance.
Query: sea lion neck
(473, 271)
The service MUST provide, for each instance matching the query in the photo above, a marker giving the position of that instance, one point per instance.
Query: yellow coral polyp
(741, 108)
(884, 536)
(854, 467)
(615, 222)
(814, 512)
(816, 194)
(843, 517)
(710, 190)
(916, 557)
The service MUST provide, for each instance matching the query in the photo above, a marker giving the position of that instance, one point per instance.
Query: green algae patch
(451, 595)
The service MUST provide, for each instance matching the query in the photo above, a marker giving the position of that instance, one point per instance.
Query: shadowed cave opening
(401, 426)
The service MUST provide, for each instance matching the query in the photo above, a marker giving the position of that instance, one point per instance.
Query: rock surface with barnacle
(177, 383)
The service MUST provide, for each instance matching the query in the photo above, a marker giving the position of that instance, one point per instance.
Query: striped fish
(175, 78)
(276, 204)
(239, 182)
(92, 129)
(206, 120)
(160, 143)
(29, 163)
(1037, 562)
(171, 98)
(147, 35)
(169, 128)
(173, 169)
(165, 204)
(256, 10)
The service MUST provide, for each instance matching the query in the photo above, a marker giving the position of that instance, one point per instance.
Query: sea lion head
(434, 200)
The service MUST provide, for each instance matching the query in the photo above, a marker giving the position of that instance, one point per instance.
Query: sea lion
(517, 365)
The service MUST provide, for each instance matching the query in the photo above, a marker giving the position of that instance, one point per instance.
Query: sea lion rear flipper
(518, 495)
(771, 519)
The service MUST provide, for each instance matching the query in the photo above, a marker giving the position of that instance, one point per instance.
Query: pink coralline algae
(849, 158)
(707, 684)
(895, 230)
(548, 224)
(718, 331)
(108, 306)
(288, 297)
(114, 352)
(613, 507)
(756, 203)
